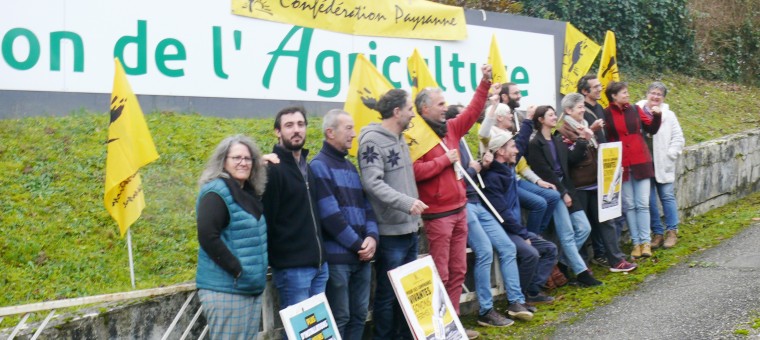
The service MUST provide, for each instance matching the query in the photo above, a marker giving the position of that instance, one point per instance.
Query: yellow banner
(580, 52)
(419, 136)
(608, 67)
(417, 19)
(499, 71)
(366, 86)
(130, 147)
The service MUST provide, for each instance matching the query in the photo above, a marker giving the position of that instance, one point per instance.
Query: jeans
(669, 207)
(348, 294)
(448, 247)
(392, 251)
(606, 230)
(572, 231)
(636, 204)
(297, 284)
(535, 261)
(486, 234)
(539, 202)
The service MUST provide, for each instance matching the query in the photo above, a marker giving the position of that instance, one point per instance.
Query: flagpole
(469, 180)
(131, 263)
(467, 148)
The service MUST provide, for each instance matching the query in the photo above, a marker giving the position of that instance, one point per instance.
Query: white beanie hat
(498, 139)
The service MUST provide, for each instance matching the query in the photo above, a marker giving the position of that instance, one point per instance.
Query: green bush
(652, 35)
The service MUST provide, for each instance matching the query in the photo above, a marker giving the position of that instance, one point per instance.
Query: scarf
(577, 125)
(439, 128)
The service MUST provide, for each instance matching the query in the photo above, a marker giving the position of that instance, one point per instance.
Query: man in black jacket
(294, 233)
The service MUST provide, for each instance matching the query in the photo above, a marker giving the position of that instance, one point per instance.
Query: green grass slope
(58, 241)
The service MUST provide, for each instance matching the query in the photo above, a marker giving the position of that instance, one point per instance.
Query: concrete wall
(714, 173)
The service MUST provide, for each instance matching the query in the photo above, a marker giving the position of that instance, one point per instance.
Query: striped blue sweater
(347, 217)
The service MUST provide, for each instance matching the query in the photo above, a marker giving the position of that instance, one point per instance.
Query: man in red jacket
(442, 189)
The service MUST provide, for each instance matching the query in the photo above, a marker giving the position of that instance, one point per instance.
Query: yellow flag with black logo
(608, 67)
(579, 54)
(498, 70)
(130, 147)
(420, 137)
(365, 88)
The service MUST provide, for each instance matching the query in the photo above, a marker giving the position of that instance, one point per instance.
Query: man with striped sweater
(348, 225)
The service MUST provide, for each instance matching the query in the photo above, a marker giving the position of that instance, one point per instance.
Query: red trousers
(448, 247)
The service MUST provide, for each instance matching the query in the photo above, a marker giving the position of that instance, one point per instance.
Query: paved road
(707, 300)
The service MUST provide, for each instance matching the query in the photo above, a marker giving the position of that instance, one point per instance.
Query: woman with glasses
(665, 147)
(624, 123)
(232, 259)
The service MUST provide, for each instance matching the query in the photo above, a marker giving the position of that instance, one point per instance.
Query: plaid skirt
(231, 316)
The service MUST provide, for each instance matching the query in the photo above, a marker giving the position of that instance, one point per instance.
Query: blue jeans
(392, 251)
(572, 231)
(636, 205)
(539, 202)
(348, 294)
(485, 235)
(535, 260)
(297, 284)
(669, 207)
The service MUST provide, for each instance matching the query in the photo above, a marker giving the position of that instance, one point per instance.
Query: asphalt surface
(708, 297)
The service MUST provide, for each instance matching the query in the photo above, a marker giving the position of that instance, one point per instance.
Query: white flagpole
(469, 179)
(131, 263)
(467, 148)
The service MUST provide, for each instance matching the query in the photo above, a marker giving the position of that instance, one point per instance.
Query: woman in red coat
(623, 123)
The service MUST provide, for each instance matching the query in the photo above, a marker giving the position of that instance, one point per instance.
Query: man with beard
(439, 186)
(294, 233)
(510, 94)
(388, 179)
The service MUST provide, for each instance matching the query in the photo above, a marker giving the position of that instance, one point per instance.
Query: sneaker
(471, 334)
(585, 279)
(646, 250)
(517, 311)
(636, 252)
(538, 299)
(671, 238)
(657, 241)
(530, 308)
(601, 261)
(623, 266)
(494, 319)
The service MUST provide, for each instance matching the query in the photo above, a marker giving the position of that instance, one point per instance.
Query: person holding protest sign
(232, 234)
(584, 177)
(624, 123)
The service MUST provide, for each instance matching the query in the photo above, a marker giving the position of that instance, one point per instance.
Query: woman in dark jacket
(624, 122)
(584, 176)
(232, 259)
(549, 157)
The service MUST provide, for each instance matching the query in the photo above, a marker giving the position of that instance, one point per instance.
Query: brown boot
(657, 241)
(646, 250)
(671, 238)
(636, 252)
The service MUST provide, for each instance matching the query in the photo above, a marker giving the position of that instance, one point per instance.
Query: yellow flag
(419, 136)
(580, 52)
(130, 147)
(608, 67)
(498, 70)
(366, 86)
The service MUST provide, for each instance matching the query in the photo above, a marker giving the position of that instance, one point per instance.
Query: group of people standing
(319, 225)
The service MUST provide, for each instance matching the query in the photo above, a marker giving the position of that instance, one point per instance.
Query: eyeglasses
(656, 94)
(240, 159)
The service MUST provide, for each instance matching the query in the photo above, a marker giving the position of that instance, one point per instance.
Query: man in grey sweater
(388, 179)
